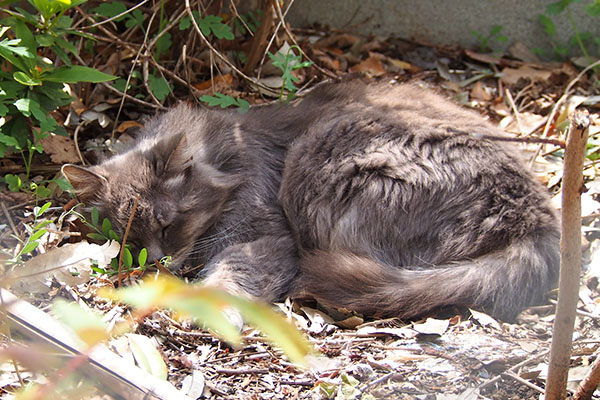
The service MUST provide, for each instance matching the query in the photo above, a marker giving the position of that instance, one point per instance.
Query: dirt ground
(459, 354)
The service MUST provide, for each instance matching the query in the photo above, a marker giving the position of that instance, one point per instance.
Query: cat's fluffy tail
(501, 283)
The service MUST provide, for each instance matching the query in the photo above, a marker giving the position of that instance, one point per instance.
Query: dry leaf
(61, 149)
(478, 92)
(220, 82)
(123, 126)
(432, 326)
(484, 319)
(511, 76)
(521, 52)
(72, 260)
(371, 66)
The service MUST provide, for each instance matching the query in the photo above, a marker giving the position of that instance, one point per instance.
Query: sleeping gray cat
(387, 200)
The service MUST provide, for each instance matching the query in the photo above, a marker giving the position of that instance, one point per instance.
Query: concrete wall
(443, 21)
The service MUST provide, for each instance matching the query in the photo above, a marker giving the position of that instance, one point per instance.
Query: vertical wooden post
(570, 257)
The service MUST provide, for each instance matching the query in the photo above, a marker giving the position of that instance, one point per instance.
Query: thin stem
(577, 36)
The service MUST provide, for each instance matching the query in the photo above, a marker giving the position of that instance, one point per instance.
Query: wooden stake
(570, 257)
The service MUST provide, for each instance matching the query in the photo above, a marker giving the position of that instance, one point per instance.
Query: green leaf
(38, 235)
(548, 25)
(38, 211)
(63, 183)
(557, 7)
(88, 325)
(592, 9)
(10, 45)
(106, 226)
(213, 24)
(95, 216)
(135, 18)
(96, 236)
(147, 355)
(496, 29)
(44, 40)
(185, 23)
(224, 101)
(25, 79)
(29, 247)
(77, 73)
(159, 86)
(22, 32)
(163, 44)
(9, 141)
(110, 10)
(112, 235)
(142, 257)
(127, 258)
(42, 224)
(23, 105)
(14, 182)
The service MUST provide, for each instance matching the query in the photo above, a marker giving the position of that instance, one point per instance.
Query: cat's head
(180, 193)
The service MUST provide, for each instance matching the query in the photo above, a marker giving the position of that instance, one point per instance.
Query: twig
(291, 36)
(135, 203)
(590, 382)
(273, 36)
(115, 17)
(259, 45)
(514, 368)
(145, 71)
(522, 381)
(8, 217)
(218, 54)
(514, 108)
(379, 380)
(75, 140)
(565, 95)
(570, 257)
(131, 98)
(525, 139)
(242, 371)
(307, 382)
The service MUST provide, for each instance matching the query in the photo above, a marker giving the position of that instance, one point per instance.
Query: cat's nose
(155, 252)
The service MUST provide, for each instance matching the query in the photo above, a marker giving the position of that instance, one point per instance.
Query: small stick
(218, 54)
(242, 371)
(135, 203)
(522, 381)
(514, 107)
(590, 382)
(291, 36)
(570, 257)
(10, 221)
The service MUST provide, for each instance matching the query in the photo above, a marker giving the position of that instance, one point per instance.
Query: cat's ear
(87, 184)
(178, 155)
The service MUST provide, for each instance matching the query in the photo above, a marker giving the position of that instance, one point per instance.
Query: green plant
(32, 86)
(211, 24)
(114, 8)
(103, 232)
(578, 39)
(494, 36)
(35, 231)
(250, 21)
(224, 101)
(288, 63)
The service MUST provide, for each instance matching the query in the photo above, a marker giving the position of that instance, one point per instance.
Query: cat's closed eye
(164, 231)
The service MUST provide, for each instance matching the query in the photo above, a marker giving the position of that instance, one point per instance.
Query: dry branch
(590, 382)
(570, 257)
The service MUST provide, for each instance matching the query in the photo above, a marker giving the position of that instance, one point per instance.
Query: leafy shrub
(32, 86)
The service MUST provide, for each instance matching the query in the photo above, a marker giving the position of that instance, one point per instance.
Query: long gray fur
(383, 199)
